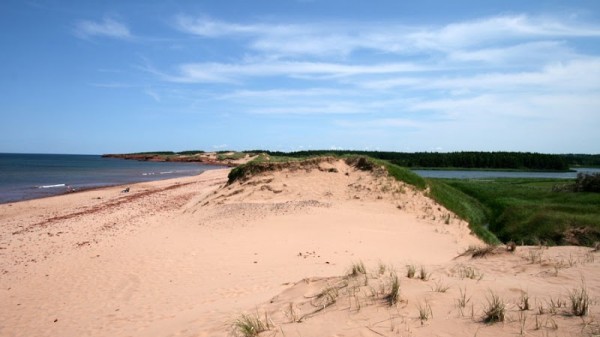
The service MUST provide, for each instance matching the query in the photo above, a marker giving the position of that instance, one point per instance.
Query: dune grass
(465, 206)
(528, 210)
(249, 326)
(580, 301)
(495, 310)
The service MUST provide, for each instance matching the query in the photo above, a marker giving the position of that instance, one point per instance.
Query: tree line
(479, 160)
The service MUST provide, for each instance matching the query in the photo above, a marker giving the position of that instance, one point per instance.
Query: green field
(527, 210)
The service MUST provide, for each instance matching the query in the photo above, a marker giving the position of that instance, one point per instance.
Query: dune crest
(187, 257)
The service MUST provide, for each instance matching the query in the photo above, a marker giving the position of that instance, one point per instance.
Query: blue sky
(126, 76)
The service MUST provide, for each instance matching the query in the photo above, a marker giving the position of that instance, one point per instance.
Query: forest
(463, 160)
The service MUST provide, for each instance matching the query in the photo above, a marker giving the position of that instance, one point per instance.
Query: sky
(94, 77)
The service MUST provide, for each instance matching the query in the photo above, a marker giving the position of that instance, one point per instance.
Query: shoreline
(187, 256)
(30, 177)
(116, 185)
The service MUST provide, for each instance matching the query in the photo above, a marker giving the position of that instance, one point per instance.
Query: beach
(188, 256)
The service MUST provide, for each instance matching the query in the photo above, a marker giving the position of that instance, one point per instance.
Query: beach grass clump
(524, 301)
(249, 325)
(425, 311)
(495, 309)
(358, 268)
(393, 296)
(469, 272)
(411, 269)
(580, 301)
(424, 274)
(535, 256)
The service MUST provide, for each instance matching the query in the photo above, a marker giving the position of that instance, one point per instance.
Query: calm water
(450, 174)
(30, 176)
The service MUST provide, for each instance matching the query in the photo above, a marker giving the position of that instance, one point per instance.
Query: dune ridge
(187, 257)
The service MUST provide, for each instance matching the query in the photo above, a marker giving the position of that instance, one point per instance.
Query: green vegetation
(231, 155)
(191, 152)
(470, 160)
(525, 210)
(249, 325)
(582, 160)
(463, 205)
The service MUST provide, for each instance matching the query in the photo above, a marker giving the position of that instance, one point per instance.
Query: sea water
(30, 176)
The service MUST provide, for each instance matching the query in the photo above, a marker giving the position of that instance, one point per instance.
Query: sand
(188, 256)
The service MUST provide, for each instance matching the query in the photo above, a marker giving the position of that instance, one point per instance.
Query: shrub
(587, 182)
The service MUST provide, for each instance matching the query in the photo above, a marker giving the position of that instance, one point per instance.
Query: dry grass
(425, 312)
(357, 268)
(479, 251)
(411, 270)
(393, 296)
(495, 309)
(423, 274)
(580, 301)
(440, 287)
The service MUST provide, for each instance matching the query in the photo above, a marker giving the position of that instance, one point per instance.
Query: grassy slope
(528, 210)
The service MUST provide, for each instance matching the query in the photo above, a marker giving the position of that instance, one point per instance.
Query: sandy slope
(185, 257)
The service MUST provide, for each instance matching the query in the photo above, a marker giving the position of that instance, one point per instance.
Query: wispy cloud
(231, 72)
(106, 28)
(343, 38)
(382, 79)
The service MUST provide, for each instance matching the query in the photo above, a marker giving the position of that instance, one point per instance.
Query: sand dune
(186, 257)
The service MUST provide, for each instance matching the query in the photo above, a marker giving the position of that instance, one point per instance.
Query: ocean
(31, 176)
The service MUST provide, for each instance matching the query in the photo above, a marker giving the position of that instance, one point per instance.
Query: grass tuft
(425, 312)
(393, 296)
(462, 300)
(411, 270)
(580, 301)
(423, 274)
(357, 269)
(495, 310)
(470, 273)
(249, 326)
(524, 301)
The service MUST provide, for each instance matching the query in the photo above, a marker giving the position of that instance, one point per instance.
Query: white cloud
(105, 28)
(343, 38)
(207, 27)
(576, 75)
(381, 123)
(231, 72)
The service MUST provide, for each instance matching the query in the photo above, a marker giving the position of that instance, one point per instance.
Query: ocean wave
(52, 186)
